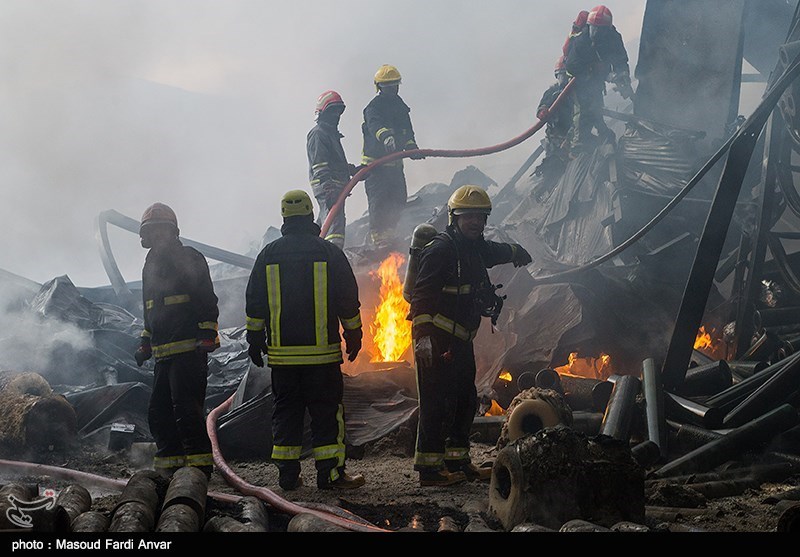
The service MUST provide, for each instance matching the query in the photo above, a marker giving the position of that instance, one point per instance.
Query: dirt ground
(393, 500)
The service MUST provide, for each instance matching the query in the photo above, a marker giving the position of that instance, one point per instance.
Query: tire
(508, 499)
(530, 416)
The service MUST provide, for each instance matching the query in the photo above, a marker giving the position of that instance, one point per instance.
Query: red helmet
(327, 99)
(580, 19)
(158, 213)
(600, 16)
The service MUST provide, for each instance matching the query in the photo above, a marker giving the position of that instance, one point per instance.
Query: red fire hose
(458, 153)
(267, 495)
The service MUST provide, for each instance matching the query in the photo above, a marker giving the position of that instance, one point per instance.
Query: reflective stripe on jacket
(300, 290)
(180, 305)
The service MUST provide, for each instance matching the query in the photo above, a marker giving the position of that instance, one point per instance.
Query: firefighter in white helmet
(451, 293)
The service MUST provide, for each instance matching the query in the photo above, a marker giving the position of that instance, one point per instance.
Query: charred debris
(647, 361)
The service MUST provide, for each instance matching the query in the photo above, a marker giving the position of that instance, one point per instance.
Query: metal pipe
(188, 486)
(789, 521)
(75, 499)
(619, 412)
(686, 410)
(585, 393)
(706, 380)
(746, 437)
(646, 453)
(548, 379)
(776, 317)
(90, 522)
(762, 348)
(724, 488)
(588, 423)
(733, 395)
(178, 518)
(745, 368)
(654, 406)
(772, 393)
(136, 506)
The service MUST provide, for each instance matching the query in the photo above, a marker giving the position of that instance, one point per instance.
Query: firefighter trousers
(326, 201)
(318, 389)
(587, 114)
(387, 192)
(176, 413)
(448, 401)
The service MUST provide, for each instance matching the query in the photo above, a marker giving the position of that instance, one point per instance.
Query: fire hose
(267, 495)
(457, 153)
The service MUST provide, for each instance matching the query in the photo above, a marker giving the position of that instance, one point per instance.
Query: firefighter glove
(520, 256)
(423, 351)
(415, 156)
(257, 341)
(144, 352)
(390, 144)
(542, 113)
(207, 345)
(352, 342)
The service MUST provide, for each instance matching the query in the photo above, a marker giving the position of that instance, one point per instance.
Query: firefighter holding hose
(450, 295)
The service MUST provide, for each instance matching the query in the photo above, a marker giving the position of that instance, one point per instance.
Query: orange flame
(593, 368)
(495, 410)
(505, 376)
(391, 331)
(703, 339)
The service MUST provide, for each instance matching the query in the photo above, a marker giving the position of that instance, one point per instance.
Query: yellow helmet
(296, 203)
(469, 199)
(387, 75)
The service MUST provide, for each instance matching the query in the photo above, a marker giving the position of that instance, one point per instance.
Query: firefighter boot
(344, 481)
(474, 473)
(289, 475)
(440, 478)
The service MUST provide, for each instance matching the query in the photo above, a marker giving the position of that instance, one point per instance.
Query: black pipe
(776, 317)
(686, 410)
(548, 379)
(585, 393)
(747, 437)
(654, 405)
(706, 380)
(745, 369)
(772, 393)
(763, 347)
(730, 397)
(620, 409)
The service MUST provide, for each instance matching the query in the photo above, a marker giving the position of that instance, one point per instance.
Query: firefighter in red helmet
(180, 330)
(577, 26)
(595, 55)
(328, 169)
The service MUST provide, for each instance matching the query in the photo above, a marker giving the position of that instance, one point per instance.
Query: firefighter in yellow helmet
(180, 329)
(301, 292)
(451, 293)
(386, 129)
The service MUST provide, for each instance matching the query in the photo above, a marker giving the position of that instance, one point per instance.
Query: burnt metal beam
(712, 240)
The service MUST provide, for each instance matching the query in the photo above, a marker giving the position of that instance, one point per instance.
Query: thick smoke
(206, 105)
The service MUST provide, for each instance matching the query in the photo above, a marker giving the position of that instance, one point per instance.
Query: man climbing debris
(595, 55)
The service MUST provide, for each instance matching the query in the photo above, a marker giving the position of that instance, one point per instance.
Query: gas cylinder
(423, 234)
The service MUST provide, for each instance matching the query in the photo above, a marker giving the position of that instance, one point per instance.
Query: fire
(495, 410)
(391, 331)
(703, 339)
(505, 376)
(593, 368)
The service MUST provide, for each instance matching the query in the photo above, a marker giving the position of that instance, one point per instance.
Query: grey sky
(205, 105)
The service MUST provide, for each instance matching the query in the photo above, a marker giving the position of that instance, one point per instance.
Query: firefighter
(386, 129)
(559, 122)
(300, 289)
(451, 293)
(328, 168)
(595, 55)
(180, 330)
(578, 25)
